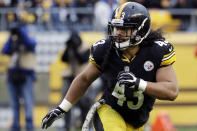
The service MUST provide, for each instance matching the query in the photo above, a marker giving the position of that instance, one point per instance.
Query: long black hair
(153, 36)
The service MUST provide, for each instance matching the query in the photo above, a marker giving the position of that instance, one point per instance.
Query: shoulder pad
(98, 51)
(166, 52)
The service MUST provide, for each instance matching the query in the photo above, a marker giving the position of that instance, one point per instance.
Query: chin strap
(123, 45)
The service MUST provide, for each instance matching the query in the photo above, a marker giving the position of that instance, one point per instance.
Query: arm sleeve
(7, 49)
(30, 43)
(168, 56)
(97, 53)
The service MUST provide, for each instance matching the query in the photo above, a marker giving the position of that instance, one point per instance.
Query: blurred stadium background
(49, 22)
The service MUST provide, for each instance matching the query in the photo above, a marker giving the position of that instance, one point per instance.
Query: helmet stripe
(121, 9)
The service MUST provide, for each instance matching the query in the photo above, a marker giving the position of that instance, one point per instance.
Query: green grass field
(187, 129)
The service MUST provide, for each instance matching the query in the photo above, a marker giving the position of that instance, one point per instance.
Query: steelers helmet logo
(148, 65)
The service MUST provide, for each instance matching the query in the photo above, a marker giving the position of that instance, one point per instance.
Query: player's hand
(128, 79)
(53, 115)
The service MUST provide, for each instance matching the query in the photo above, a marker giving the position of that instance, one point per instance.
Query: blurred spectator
(119, 2)
(3, 19)
(194, 3)
(60, 14)
(20, 13)
(4, 3)
(83, 18)
(39, 18)
(32, 3)
(183, 4)
(75, 55)
(14, 3)
(102, 12)
(20, 75)
(164, 4)
(158, 4)
(150, 3)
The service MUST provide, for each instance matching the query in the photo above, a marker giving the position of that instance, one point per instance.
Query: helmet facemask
(131, 38)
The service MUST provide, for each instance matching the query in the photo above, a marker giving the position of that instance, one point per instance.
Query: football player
(137, 63)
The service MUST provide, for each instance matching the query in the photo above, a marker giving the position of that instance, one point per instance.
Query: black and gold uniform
(126, 106)
(133, 106)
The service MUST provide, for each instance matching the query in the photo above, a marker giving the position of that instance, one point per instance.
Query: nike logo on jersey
(170, 49)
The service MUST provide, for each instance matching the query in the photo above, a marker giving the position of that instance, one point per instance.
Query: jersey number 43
(119, 93)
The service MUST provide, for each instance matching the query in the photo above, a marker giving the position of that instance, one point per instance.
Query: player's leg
(107, 119)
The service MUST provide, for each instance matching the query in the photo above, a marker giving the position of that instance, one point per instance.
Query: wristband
(142, 85)
(65, 105)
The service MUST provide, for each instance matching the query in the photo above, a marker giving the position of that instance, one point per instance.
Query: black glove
(128, 79)
(52, 116)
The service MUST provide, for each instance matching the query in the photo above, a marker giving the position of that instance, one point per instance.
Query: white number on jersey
(119, 91)
(161, 43)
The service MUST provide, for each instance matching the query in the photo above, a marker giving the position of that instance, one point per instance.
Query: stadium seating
(163, 19)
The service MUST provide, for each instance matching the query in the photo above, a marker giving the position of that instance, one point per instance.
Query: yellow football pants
(112, 120)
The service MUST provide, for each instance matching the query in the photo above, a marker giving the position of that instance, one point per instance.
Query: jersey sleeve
(97, 53)
(167, 53)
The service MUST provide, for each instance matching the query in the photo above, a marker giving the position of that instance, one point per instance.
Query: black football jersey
(134, 106)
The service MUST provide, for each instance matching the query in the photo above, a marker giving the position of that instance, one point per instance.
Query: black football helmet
(130, 15)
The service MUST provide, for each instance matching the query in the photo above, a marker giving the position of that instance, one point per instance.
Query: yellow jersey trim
(126, 59)
(169, 59)
(168, 54)
(91, 59)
